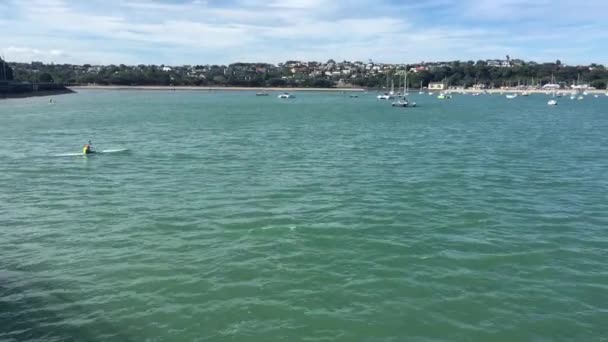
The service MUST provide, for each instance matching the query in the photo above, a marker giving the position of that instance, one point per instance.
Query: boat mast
(3, 67)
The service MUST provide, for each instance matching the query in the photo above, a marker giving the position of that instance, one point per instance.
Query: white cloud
(298, 4)
(137, 31)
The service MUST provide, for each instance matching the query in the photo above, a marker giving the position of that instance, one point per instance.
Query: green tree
(45, 77)
(6, 72)
(599, 84)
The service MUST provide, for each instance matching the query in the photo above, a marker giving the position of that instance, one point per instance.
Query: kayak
(96, 152)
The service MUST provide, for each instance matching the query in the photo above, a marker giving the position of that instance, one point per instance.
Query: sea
(236, 217)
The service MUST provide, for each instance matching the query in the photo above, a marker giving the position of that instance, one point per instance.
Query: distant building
(436, 86)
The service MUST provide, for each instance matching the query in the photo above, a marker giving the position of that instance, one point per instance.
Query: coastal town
(489, 74)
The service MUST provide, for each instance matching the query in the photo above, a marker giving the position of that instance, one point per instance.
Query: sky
(177, 32)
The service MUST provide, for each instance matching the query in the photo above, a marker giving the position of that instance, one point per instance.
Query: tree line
(456, 73)
(6, 72)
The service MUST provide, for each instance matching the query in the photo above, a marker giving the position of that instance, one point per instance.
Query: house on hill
(436, 86)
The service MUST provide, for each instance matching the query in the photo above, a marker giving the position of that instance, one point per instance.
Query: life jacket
(86, 149)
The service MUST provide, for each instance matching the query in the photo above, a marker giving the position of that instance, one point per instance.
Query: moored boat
(286, 96)
(403, 103)
(385, 96)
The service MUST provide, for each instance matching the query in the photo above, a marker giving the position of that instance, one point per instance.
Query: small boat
(441, 96)
(511, 96)
(286, 96)
(353, 96)
(525, 93)
(596, 96)
(476, 94)
(385, 96)
(606, 93)
(261, 94)
(580, 98)
(585, 93)
(572, 97)
(93, 152)
(422, 93)
(403, 103)
(431, 94)
(552, 103)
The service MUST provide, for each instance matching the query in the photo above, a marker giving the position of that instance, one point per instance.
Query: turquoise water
(322, 218)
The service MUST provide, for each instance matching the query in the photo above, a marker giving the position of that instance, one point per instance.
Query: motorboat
(261, 94)
(511, 96)
(286, 96)
(385, 96)
(403, 103)
(552, 103)
(443, 96)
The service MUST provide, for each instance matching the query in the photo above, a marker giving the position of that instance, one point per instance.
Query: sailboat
(404, 102)
(386, 96)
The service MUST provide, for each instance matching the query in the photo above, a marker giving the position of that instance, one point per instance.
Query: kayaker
(88, 148)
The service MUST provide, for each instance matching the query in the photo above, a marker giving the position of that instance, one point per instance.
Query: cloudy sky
(223, 31)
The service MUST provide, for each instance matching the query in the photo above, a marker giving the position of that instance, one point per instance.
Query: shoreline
(39, 93)
(197, 88)
(518, 91)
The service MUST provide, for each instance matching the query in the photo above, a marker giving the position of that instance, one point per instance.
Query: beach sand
(195, 88)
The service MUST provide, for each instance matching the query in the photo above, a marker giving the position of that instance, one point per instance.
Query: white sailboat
(404, 102)
(386, 96)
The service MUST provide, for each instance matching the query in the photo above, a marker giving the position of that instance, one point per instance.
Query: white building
(436, 86)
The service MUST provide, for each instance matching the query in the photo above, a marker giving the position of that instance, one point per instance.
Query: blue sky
(176, 32)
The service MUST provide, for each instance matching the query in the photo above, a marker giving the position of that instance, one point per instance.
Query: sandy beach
(520, 91)
(195, 88)
(270, 89)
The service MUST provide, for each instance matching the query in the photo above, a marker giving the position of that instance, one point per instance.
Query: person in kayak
(88, 148)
